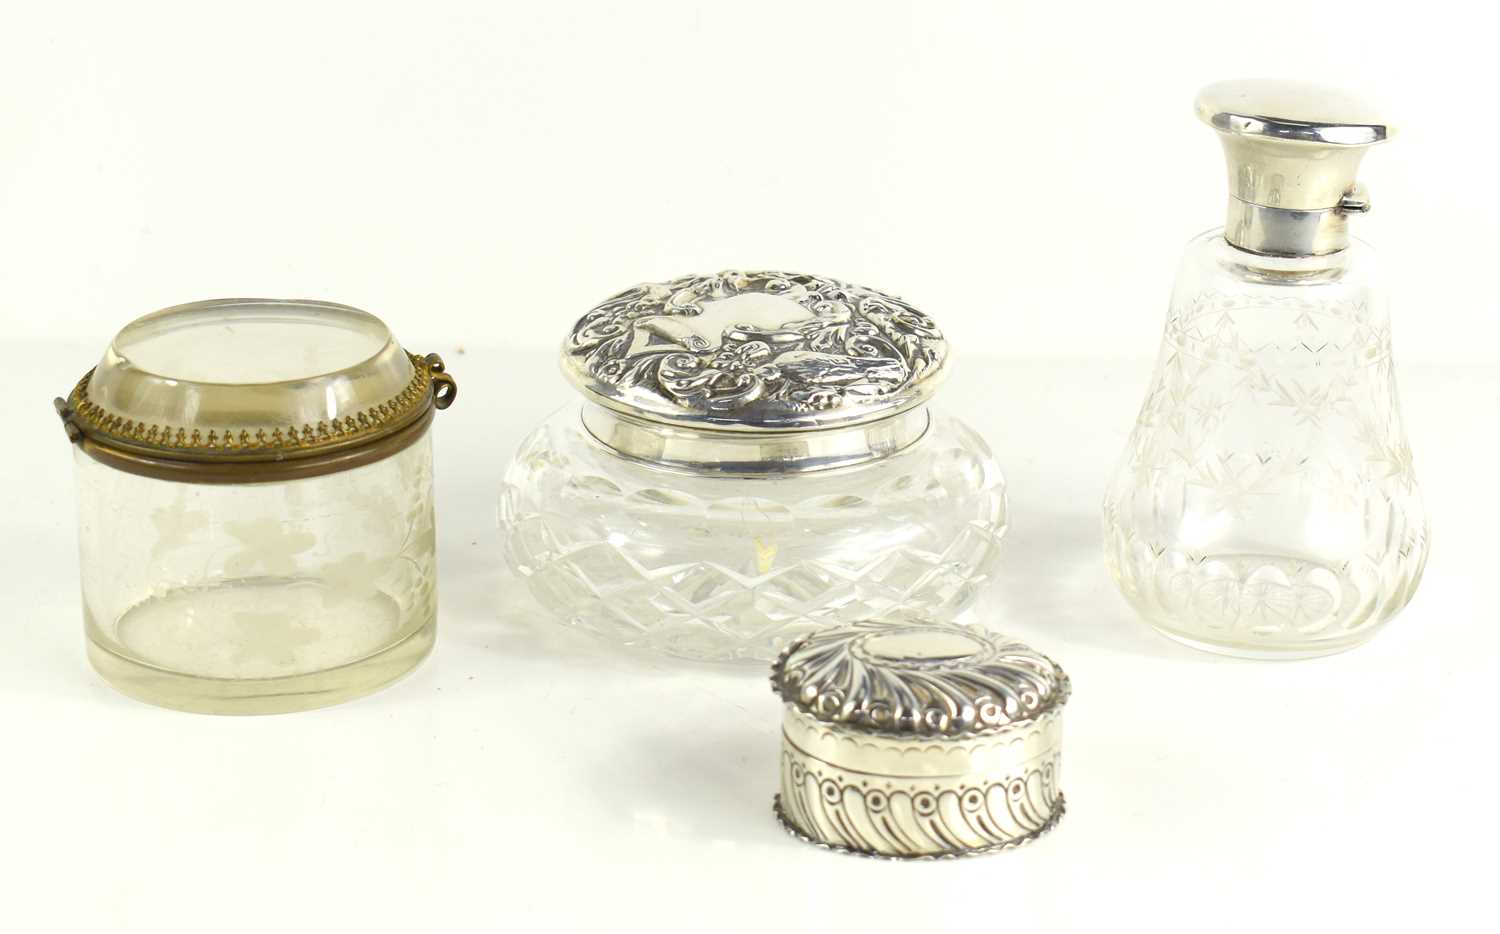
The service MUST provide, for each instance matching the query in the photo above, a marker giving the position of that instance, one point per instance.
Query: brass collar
(269, 454)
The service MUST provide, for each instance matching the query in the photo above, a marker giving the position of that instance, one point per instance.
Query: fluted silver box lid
(755, 372)
(914, 739)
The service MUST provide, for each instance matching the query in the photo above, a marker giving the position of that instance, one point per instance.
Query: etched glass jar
(255, 505)
(1266, 504)
(754, 459)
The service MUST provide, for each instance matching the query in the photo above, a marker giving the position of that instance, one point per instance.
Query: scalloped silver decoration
(918, 678)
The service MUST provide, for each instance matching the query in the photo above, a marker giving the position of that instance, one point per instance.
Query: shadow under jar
(255, 505)
(754, 460)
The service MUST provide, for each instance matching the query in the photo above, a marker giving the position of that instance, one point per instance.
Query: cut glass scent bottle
(1265, 505)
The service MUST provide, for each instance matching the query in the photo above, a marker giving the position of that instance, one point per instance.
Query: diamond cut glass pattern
(723, 568)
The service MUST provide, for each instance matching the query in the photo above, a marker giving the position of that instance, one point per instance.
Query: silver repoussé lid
(755, 372)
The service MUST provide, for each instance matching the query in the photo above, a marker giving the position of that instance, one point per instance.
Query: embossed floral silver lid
(756, 351)
(916, 739)
(765, 355)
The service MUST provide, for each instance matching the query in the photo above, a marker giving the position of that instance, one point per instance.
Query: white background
(478, 174)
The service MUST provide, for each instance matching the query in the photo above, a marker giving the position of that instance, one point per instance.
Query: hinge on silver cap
(1355, 201)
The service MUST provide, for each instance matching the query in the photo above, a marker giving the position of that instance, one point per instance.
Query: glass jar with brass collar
(255, 505)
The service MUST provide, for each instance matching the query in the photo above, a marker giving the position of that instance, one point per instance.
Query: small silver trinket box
(911, 739)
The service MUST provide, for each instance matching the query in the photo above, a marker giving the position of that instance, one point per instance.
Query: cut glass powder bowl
(255, 505)
(754, 459)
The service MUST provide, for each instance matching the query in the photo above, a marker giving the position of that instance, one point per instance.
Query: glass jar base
(194, 694)
(258, 645)
(1267, 653)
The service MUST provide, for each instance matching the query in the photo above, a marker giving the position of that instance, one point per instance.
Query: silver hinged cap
(1293, 152)
(907, 738)
(688, 366)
